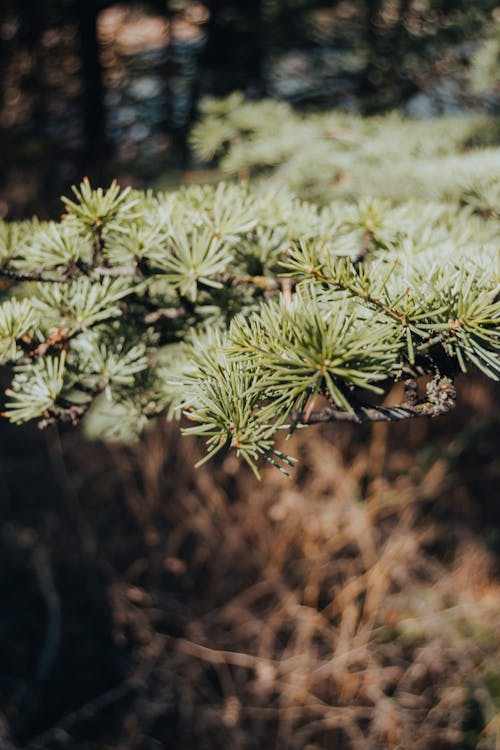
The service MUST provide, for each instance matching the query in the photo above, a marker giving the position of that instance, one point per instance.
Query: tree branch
(12, 273)
(357, 291)
(441, 398)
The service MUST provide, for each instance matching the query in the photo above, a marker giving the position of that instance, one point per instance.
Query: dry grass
(353, 607)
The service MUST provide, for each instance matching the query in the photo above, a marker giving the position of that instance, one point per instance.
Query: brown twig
(15, 275)
(116, 271)
(441, 398)
(365, 246)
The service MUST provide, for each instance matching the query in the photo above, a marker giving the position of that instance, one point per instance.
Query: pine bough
(331, 155)
(245, 310)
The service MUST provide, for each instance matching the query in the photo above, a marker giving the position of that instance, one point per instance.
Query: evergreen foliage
(486, 61)
(246, 308)
(331, 155)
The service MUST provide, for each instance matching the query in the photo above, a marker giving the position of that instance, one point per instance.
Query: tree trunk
(94, 119)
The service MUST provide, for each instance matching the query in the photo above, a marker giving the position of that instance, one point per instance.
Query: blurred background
(145, 605)
(110, 89)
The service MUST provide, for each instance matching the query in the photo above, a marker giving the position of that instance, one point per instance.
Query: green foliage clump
(240, 307)
(331, 155)
(486, 61)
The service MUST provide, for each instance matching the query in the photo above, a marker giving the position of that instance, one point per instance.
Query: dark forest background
(106, 89)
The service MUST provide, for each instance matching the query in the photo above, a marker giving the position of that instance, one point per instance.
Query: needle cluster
(246, 309)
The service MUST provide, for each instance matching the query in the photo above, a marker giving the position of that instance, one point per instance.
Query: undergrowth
(354, 608)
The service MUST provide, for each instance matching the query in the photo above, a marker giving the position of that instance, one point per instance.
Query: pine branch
(357, 290)
(139, 304)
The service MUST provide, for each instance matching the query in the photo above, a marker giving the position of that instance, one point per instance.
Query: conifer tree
(250, 311)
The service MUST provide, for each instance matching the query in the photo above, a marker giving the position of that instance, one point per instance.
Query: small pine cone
(441, 393)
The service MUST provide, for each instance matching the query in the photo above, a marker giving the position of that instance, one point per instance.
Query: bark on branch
(440, 399)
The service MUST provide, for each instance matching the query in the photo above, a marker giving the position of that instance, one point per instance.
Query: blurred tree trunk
(368, 80)
(384, 81)
(33, 18)
(94, 119)
(236, 49)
